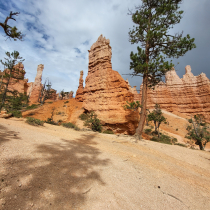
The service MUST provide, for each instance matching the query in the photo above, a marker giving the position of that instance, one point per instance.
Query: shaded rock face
(37, 85)
(106, 91)
(189, 95)
(80, 93)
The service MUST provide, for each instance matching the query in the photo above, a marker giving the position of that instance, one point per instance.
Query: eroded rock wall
(20, 84)
(189, 95)
(106, 91)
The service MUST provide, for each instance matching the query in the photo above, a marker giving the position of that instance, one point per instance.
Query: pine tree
(11, 72)
(153, 19)
(11, 32)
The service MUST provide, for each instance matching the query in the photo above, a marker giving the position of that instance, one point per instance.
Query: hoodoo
(106, 91)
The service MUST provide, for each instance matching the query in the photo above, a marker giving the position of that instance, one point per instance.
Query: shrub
(33, 106)
(179, 144)
(50, 121)
(50, 102)
(147, 131)
(93, 122)
(83, 116)
(68, 125)
(190, 120)
(177, 129)
(164, 139)
(33, 121)
(58, 113)
(188, 137)
(108, 132)
(16, 113)
(66, 102)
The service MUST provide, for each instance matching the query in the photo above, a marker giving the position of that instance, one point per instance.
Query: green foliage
(33, 121)
(108, 132)
(46, 91)
(198, 131)
(11, 32)
(66, 102)
(179, 144)
(157, 117)
(93, 122)
(190, 120)
(84, 116)
(50, 121)
(164, 139)
(153, 20)
(132, 105)
(148, 131)
(10, 73)
(70, 125)
(16, 113)
(33, 106)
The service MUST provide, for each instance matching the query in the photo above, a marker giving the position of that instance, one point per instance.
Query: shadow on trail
(7, 135)
(60, 179)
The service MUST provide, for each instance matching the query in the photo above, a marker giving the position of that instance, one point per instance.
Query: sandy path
(53, 167)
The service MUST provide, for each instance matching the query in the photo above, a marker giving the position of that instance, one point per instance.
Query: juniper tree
(10, 72)
(153, 19)
(11, 32)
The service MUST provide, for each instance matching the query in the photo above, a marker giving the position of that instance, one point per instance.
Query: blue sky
(59, 34)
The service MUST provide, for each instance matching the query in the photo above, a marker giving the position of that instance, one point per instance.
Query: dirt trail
(53, 167)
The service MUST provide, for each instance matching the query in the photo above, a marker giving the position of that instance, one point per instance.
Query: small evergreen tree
(198, 131)
(11, 72)
(157, 117)
(153, 19)
(45, 92)
(62, 94)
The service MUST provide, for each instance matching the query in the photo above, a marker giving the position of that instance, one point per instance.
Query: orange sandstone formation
(80, 93)
(189, 95)
(14, 84)
(37, 85)
(106, 91)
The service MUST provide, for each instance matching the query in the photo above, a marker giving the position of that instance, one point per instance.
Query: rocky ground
(53, 167)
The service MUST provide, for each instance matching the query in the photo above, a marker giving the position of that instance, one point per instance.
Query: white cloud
(54, 29)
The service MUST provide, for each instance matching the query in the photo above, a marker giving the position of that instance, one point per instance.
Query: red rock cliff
(106, 91)
(189, 95)
(18, 85)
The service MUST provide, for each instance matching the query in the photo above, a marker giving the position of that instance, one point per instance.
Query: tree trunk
(201, 145)
(140, 128)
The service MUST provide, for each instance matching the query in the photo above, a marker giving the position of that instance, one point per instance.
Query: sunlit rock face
(18, 83)
(80, 90)
(37, 85)
(189, 95)
(106, 91)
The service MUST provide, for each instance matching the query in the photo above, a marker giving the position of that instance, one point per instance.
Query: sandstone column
(80, 93)
(37, 85)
